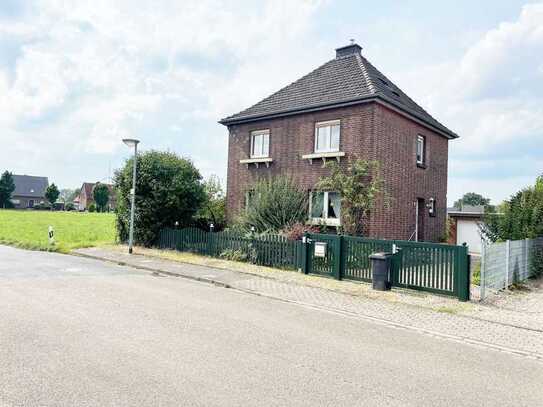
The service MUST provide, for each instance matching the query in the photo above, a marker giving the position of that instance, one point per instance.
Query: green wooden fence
(266, 250)
(432, 267)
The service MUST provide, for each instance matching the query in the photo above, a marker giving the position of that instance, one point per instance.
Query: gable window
(421, 150)
(260, 144)
(327, 136)
(325, 208)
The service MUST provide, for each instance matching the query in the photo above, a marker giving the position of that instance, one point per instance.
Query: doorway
(419, 222)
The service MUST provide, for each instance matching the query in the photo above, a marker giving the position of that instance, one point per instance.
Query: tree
(520, 217)
(7, 186)
(360, 185)
(214, 208)
(68, 195)
(472, 199)
(52, 193)
(100, 193)
(273, 204)
(169, 189)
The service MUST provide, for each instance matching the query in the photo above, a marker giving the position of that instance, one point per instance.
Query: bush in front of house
(92, 207)
(169, 189)
(297, 230)
(70, 206)
(273, 204)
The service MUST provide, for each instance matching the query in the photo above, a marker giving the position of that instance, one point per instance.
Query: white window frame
(261, 153)
(325, 220)
(330, 123)
(422, 140)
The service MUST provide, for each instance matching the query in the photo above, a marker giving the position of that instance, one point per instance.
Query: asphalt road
(79, 332)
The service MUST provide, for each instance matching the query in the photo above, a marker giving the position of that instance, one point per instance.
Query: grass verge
(28, 229)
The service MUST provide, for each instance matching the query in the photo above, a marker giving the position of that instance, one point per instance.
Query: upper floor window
(260, 143)
(327, 136)
(421, 150)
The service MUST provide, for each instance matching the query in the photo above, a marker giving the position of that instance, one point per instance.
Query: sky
(77, 76)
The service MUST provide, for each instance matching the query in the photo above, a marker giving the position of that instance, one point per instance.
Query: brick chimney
(348, 50)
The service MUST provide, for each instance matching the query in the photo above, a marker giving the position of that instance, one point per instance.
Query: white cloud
(493, 98)
(90, 73)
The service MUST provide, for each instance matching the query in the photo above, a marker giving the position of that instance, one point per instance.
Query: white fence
(503, 264)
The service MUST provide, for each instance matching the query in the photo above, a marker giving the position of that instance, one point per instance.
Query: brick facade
(370, 131)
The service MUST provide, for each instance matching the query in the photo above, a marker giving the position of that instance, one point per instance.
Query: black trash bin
(380, 265)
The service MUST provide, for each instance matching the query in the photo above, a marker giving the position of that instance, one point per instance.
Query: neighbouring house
(76, 201)
(86, 198)
(344, 109)
(29, 191)
(464, 226)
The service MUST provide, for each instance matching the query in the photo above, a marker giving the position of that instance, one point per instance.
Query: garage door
(468, 231)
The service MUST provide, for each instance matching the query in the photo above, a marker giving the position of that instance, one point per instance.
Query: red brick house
(86, 196)
(345, 108)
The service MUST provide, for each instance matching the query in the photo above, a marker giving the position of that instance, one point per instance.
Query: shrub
(92, 207)
(536, 266)
(168, 190)
(273, 204)
(476, 274)
(297, 230)
(69, 206)
(360, 185)
(44, 206)
(234, 255)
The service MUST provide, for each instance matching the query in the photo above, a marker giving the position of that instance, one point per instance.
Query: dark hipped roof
(348, 79)
(30, 186)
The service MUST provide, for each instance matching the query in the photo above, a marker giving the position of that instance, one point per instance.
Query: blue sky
(76, 77)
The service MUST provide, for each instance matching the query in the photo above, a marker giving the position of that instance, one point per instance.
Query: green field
(28, 229)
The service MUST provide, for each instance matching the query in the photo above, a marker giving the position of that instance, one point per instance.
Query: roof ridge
(359, 59)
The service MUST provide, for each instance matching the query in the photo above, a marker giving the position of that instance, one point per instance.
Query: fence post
(338, 263)
(305, 249)
(507, 254)
(482, 277)
(463, 273)
(526, 255)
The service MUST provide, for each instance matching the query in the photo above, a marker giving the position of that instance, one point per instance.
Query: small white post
(51, 234)
(507, 254)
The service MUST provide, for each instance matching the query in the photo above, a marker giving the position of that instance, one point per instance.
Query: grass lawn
(28, 229)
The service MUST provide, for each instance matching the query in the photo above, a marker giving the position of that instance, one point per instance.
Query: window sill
(326, 222)
(333, 154)
(257, 161)
(423, 166)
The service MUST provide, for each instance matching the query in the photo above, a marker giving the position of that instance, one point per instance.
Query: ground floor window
(325, 208)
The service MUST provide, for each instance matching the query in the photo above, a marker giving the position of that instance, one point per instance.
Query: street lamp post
(132, 143)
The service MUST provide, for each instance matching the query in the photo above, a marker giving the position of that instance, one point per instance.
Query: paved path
(481, 327)
(81, 332)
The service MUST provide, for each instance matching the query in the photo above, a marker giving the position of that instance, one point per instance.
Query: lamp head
(130, 142)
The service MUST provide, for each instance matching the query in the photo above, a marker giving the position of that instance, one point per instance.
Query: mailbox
(320, 249)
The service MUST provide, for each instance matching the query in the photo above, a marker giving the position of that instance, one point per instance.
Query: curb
(153, 270)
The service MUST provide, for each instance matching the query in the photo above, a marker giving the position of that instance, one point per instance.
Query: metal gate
(432, 267)
(324, 254)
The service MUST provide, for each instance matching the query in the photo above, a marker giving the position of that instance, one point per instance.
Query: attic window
(395, 93)
(383, 81)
